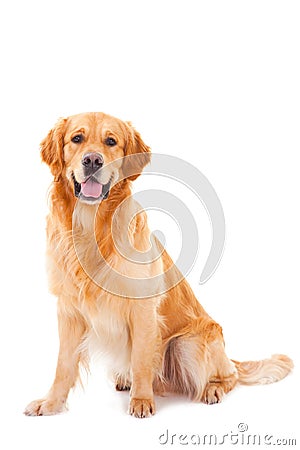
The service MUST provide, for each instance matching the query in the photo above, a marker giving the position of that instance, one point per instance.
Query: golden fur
(160, 343)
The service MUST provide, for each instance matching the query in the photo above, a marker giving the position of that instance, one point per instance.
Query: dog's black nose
(92, 161)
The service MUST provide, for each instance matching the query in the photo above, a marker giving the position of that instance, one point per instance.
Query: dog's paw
(122, 383)
(213, 393)
(141, 407)
(122, 387)
(44, 407)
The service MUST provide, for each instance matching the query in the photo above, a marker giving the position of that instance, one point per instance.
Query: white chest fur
(109, 335)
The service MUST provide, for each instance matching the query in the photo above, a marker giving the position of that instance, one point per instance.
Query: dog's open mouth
(90, 189)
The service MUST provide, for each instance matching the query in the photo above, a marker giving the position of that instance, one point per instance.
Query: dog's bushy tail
(264, 371)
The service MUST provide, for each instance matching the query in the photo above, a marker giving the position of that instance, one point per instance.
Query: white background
(216, 83)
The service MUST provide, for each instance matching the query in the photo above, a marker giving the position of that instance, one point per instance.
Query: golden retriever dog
(118, 290)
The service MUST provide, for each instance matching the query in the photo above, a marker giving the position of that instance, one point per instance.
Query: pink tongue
(91, 189)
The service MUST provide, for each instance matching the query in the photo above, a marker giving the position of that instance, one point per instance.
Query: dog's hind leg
(122, 382)
(195, 363)
(223, 374)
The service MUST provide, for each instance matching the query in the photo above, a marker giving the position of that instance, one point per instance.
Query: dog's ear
(139, 154)
(52, 149)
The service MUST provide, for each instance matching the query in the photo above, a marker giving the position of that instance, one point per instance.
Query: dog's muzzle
(91, 190)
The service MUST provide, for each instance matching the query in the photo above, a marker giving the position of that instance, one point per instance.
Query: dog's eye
(77, 139)
(111, 142)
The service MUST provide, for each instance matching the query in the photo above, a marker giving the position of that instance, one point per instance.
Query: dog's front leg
(71, 331)
(144, 337)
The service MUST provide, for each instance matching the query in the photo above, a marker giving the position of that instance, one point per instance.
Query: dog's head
(92, 151)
